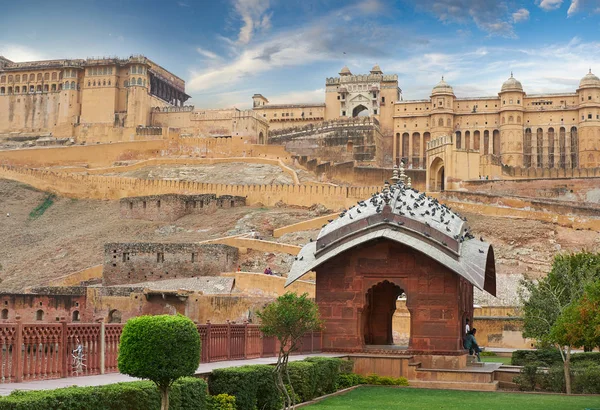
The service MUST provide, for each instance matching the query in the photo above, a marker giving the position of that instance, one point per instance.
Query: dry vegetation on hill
(69, 236)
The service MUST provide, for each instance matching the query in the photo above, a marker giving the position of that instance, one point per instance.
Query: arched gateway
(398, 242)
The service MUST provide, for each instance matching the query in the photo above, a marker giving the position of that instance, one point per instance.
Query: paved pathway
(99, 380)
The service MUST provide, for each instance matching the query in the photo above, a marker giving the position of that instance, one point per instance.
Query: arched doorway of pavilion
(437, 175)
(261, 138)
(382, 327)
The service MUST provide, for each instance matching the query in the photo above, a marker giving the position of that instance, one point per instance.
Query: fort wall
(126, 263)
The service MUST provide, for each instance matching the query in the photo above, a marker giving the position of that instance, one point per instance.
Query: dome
(407, 216)
(376, 69)
(512, 84)
(442, 87)
(345, 71)
(590, 80)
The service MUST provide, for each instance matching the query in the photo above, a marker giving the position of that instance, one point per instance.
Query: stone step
(427, 384)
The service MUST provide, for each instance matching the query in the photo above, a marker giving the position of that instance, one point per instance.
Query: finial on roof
(408, 184)
(442, 78)
(590, 70)
(511, 74)
(402, 176)
(395, 177)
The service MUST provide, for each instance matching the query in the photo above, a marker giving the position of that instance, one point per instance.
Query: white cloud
(548, 5)
(254, 16)
(520, 15)
(18, 53)
(207, 53)
(298, 97)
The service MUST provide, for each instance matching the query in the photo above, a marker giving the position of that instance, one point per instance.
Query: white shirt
(467, 328)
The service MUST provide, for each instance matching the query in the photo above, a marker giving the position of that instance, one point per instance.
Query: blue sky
(230, 49)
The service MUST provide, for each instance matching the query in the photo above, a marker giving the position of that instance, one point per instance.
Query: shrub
(540, 357)
(527, 380)
(488, 354)
(186, 394)
(221, 402)
(303, 379)
(327, 372)
(593, 357)
(349, 380)
(386, 381)
(586, 378)
(253, 386)
(159, 348)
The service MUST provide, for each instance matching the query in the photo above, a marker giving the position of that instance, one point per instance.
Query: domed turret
(376, 69)
(590, 80)
(345, 71)
(512, 84)
(442, 88)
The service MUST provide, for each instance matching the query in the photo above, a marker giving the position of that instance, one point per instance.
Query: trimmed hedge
(186, 394)
(550, 357)
(585, 378)
(254, 386)
(221, 402)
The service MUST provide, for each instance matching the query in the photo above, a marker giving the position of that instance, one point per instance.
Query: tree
(288, 319)
(547, 302)
(161, 349)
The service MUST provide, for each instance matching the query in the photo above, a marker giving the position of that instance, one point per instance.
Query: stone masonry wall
(173, 207)
(126, 263)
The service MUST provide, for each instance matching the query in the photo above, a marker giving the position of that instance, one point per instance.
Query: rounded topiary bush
(159, 348)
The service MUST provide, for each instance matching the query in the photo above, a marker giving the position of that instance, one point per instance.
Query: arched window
(109, 82)
(10, 79)
(476, 138)
(139, 81)
(38, 88)
(405, 142)
(94, 83)
(18, 78)
(441, 122)
(53, 88)
(4, 313)
(458, 139)
(540, 147)
(503, 120)
(114, 316)
(449, 122)
(125, 83)
(144, 83)
(574, 148)
(17, 89)
(89, 83)
(104, 83)
(511, 119)
(46, 89)
(104, 71)
(31, 77)
(31, 89)
(46, 76)
(66, 85)
(75, 316)
(496, 142)
(518, 119)
(39, 315)
(133, 69)
(39, 77)
(73, 87)
(467, 140)
(54, 76)
(550, 147)
(2, 90)
(486, 142)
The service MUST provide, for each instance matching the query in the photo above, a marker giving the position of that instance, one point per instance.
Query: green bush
(527, 380)
(386, 380)
(586, 378)
(593, 357)
(540, 357)
(253, 386)
(303, 377)
(327, 372)
(349, 380)
(186, 394)
(221, 402)
(488, 354)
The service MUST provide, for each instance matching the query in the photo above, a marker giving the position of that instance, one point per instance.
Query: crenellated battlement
(361, 78)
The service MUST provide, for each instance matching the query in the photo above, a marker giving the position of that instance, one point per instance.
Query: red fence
(50, 350)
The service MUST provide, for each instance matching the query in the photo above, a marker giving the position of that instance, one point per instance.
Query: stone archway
(437, 175)
(378, 313)
(261, 138)
(360, 111)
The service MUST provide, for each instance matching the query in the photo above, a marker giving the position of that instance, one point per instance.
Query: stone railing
(40, 351)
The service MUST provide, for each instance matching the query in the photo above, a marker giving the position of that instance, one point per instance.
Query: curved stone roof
(442, 87)
(512, 84)
(590, 80)
(345, 71)
(376, 69)
(407, 216)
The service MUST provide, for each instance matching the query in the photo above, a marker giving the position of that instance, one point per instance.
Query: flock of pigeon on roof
(409, 202)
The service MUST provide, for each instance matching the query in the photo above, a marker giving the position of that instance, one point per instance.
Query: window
(589, 116)
(109, 82)
(89, 83)
(125, 83)
(125, 256)
(75, 316)
(343, 113)
(104, 83)
(10, 78)
(4, 313)
(160, 257)
(39, 77)
(17, 89)
(2, 90)
(144, 204)
(158, 204)
(39, 315)
(73, 87)
(139, 81)
(382, 99)
(375, 111)
(518, 102)
(589, 96)
(194, 257)
(18, 78)
(31, 77)
(46, 76)
(133, 70)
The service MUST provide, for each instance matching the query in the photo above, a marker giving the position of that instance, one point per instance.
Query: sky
(227, 50)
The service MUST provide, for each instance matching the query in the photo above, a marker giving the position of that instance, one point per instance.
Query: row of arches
(474, 141)
(33, 89)
(551, 149)
(16, 78)
(411, 149)
(39, 315)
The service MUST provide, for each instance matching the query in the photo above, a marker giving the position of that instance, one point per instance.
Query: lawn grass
(383, 398)
(495, 359)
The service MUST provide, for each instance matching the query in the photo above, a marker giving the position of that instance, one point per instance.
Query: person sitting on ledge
(471, 344)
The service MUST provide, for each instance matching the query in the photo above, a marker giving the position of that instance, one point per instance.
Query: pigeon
(302, 257)
(480, 251)
(311, 239)
(444, 243)
(400, 223)
(481, 238)
(330, 220)
(386, 220)
(358, 210)
(448, 229)
(412, 213)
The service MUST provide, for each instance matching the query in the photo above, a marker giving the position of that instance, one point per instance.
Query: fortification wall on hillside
(126, 263)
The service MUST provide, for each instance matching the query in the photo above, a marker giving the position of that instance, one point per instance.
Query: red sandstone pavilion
(397, 242)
